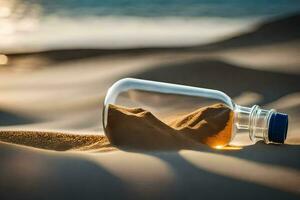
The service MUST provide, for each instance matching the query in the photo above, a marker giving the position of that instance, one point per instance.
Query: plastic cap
(278, 126)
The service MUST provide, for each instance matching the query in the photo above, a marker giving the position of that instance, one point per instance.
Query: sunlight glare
(3, 59)
(5, 12)
(220, 147)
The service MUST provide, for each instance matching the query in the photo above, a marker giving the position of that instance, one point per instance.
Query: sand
(57, 141)
(140, 129)
(47, 92)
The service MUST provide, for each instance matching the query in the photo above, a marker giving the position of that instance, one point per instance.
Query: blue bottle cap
(278, 126)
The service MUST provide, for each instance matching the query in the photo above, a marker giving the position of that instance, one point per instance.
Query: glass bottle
(165, 99)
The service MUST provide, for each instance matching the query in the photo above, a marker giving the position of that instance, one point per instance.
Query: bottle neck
(254, 121)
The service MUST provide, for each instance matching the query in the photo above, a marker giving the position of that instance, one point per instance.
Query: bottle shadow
(201, 170)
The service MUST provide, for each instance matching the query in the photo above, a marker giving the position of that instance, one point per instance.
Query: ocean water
(31, 25)
(154, 8)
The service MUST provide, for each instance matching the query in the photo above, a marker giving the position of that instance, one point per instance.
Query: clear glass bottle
(165, 99)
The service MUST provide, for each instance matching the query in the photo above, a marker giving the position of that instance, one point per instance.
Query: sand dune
(271, 32)
(61, 91)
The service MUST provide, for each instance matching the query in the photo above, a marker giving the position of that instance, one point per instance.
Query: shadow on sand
(226, 77)
(9, 118)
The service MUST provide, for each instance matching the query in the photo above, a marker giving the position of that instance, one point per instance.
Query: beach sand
(55, 99)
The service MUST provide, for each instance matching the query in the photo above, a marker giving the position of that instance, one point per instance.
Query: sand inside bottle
(139, 128)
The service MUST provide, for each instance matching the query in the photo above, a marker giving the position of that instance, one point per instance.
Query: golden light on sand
(220, 147)
(3, 59)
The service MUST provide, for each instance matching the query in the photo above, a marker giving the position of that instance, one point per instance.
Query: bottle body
(190, 111)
